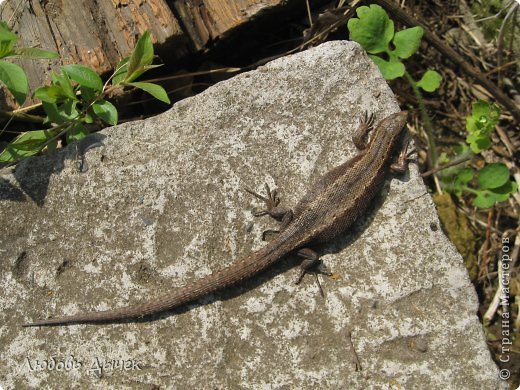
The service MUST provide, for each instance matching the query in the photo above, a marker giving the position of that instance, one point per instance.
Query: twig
(515, 251)
(486, 258)
(309, 12)
(505, 140)
(354, 355)
(451, 164)
(493, 306)
(428, 128)
(490, 312)
(20, 116)
(14, 12)
(500, 40)
(199, 73)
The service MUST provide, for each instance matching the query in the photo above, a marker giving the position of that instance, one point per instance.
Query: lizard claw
(271, 203)
(365, 126)
(368, 121)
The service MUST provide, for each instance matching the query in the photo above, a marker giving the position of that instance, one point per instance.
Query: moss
(458, 230)
(488, 9)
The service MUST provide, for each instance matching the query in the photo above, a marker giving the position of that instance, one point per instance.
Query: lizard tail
(234, 273)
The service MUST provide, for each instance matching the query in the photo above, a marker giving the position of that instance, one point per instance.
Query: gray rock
(161, 202)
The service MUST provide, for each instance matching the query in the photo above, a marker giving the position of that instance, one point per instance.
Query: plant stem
(20, 116)
(428, 128)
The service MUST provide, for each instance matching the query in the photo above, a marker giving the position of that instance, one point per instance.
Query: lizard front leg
(365, 126)
(273, 209)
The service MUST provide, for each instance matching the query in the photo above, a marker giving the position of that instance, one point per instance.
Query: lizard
(328, 209)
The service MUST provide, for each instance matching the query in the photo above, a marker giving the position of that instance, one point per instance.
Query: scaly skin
(329, 208)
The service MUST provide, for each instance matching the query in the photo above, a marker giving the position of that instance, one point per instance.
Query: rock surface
(161, 201)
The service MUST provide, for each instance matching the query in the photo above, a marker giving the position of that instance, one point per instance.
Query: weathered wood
(94, 33)
(98, 33)
(206, 20)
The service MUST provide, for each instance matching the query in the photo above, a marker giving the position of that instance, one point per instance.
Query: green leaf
(62, 80)
(84, 76)
(106, 111)
(484, 108)
(430, 81)
(373, 30)
(461, 149)
(53, 115)
(472, 124)
(6, 34)
(493, 176)
(120, 72)
(69, 110)
(77, 133)
(465, 175)
(155, 90)
(407, 41)
(33, 52)
(141, 56)
(148, 67)
(87, 94)
(25, 145)
(59, 114)
(488, 198)
(6, 48)
(484, 117)
(443, 159)
(507, 189)
(14, 79)
(7, 40)
(389, 69)
(484, 199)
(89, 116)
(452, 186)
(478, 142)
(49, 94)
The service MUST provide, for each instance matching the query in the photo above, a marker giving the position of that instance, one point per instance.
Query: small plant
(374, 30)
(75, 98)
(481, 124)
(11, 75)
(491, 184)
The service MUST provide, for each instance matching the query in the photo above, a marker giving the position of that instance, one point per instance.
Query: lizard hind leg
(286, 220)
(310, 263)
(401, 163)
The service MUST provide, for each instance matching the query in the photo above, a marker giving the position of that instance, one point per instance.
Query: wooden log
(94, 33)
(98, 33)
(206, 20)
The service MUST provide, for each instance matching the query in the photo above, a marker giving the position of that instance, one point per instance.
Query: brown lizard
(324, 213)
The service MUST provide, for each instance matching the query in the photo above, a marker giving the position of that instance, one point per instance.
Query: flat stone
(157, 203)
